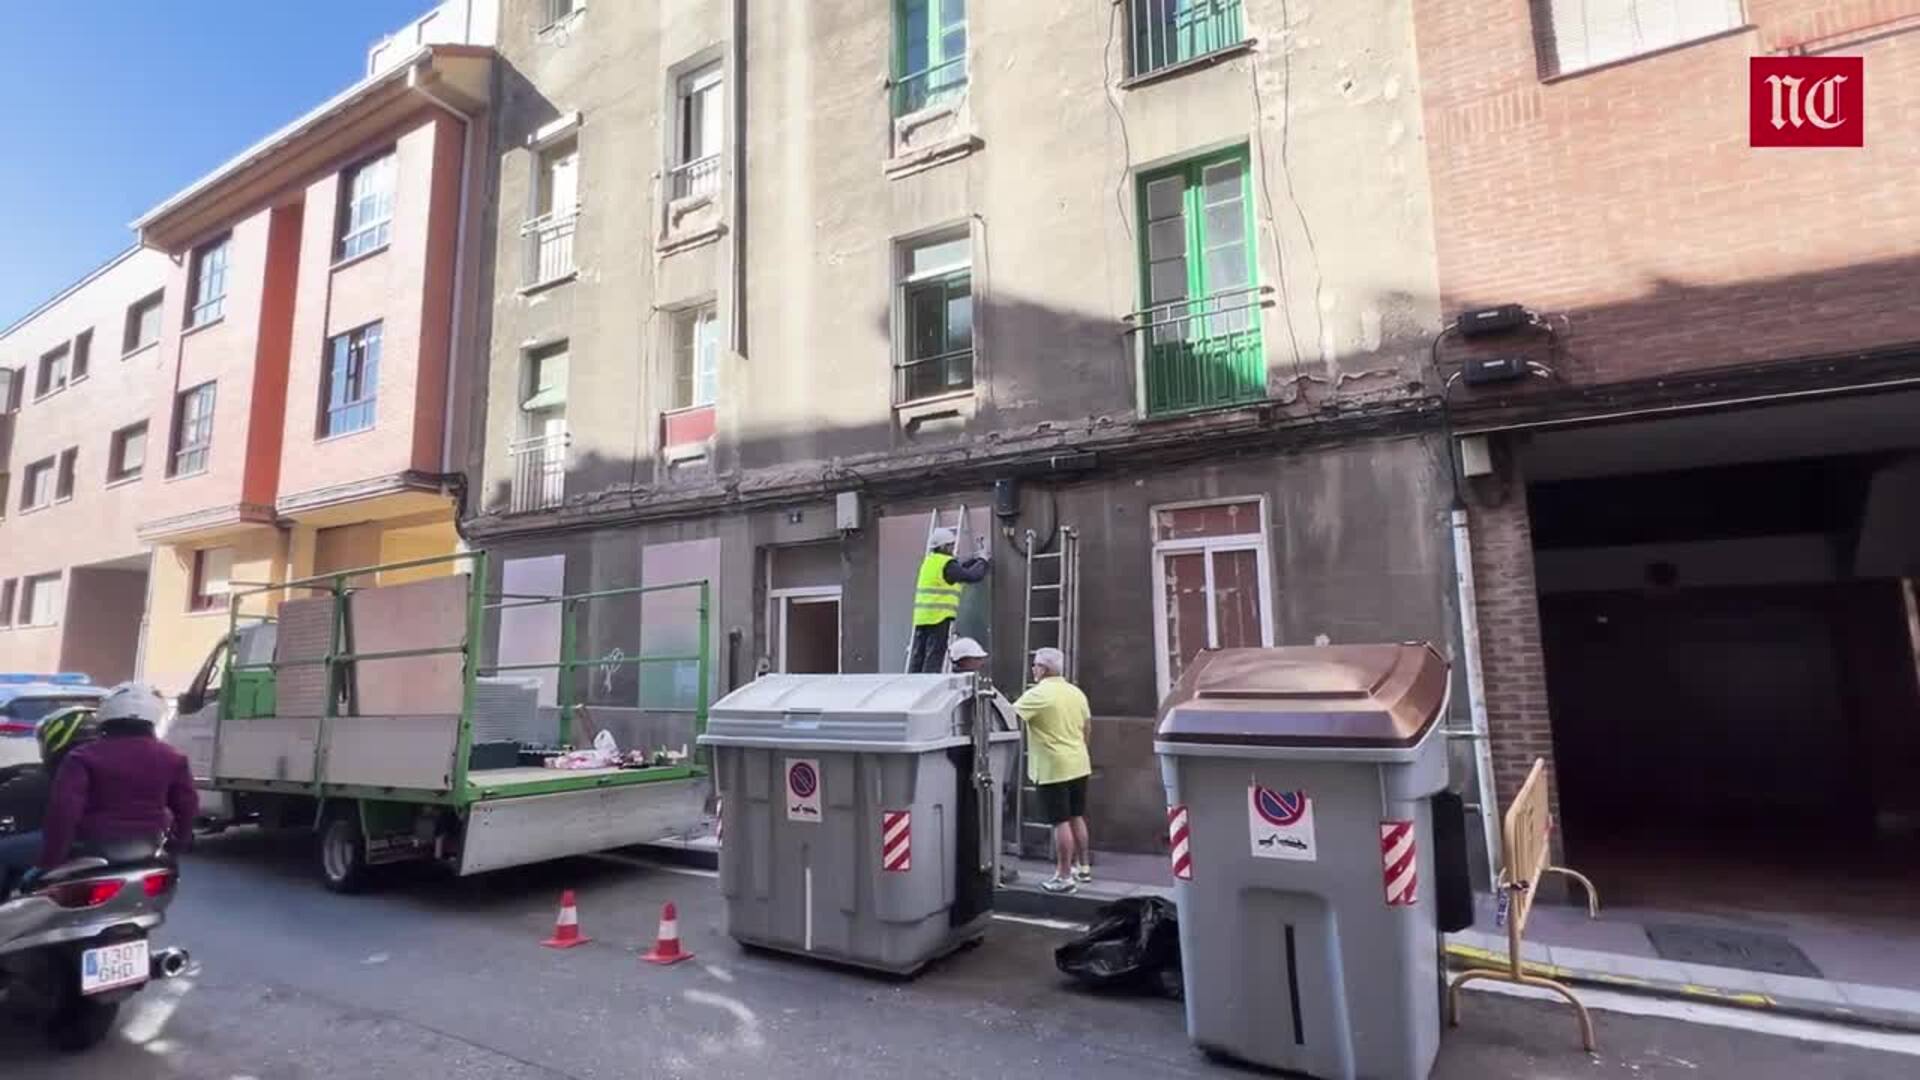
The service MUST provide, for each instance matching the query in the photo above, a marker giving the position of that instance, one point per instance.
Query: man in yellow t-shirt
(1056, 715)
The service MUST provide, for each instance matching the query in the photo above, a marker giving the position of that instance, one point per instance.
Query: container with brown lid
(1371, 702)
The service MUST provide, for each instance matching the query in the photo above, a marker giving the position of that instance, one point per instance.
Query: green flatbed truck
(376, 715)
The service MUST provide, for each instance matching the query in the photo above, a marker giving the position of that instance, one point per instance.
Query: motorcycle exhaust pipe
(169, 963)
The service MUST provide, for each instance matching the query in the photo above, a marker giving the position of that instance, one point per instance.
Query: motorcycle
(74, 946)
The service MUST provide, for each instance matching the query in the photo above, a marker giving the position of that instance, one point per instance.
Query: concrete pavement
(436, 977)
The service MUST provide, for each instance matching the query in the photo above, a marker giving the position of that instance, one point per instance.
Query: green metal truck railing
(341, 585)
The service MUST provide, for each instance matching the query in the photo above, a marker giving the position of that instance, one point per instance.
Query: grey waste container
(1298, 782)
(855, 825)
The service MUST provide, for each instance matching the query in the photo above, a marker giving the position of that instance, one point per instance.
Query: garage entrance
(1732, 650)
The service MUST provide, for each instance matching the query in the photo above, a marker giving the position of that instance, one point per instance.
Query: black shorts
(1066, 799)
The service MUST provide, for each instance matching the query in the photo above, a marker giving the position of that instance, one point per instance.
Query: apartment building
(1694, 541)
(269, 376)
(75, 375)
(775, 284)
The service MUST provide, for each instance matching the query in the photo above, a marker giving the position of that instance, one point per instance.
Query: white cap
(1051, 659)
(965, 649)
(942, 537)
(132, 701)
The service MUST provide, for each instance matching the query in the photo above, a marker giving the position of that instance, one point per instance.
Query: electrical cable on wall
(1119, 117)
(1286, 163)
(1273, 226)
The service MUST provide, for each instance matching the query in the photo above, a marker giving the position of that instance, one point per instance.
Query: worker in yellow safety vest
(936, 598)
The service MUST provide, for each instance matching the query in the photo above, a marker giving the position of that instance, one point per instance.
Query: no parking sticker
(1280, 824)
(803, 789)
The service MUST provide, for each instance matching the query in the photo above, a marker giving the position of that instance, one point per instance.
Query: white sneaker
(1059, 885)
(1083, 873)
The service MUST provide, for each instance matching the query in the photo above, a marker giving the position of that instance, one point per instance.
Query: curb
(1803, 1008)
(679, 854)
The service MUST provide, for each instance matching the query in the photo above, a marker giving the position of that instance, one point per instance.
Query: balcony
(1202, 352)
(539, 464)
(936, 85)
(695, 178)
(549, 249)
(1170, 33)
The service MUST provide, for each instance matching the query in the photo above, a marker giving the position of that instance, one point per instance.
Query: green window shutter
(1202, 338)
(929, 53)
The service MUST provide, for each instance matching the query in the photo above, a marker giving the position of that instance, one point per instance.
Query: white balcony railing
(549, 247)
(701, 176)
(539, 471)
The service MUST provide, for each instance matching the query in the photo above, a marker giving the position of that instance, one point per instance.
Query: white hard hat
(965, 649)
(942, 537)
(132, 701)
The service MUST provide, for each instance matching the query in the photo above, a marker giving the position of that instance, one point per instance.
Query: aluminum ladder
(961, 534)
(1050, 618)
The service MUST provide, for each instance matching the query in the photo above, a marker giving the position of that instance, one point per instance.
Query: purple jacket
(118, 787)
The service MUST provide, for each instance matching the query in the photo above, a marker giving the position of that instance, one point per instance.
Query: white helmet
(132, 701)
(942, 537)
(965, 649)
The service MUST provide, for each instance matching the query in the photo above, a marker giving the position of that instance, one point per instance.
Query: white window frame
(1546, 34)
(204, 305)
(356, 237)
(779, 603)
(688, 320)
(116, 450)
(131, 340)
(58, 359)
(30, 591)
(1259, 543)
(687, 177)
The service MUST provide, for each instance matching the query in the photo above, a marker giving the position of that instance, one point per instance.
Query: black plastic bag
(1133, 946)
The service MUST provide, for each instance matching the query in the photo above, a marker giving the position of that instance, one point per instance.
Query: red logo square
(1806, 101)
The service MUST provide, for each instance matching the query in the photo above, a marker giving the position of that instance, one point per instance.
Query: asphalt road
(432, 977)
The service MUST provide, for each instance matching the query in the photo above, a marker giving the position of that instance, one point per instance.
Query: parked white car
(25, 700)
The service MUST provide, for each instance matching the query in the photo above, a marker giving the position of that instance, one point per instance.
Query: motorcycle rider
(23, 795)
(124, 785)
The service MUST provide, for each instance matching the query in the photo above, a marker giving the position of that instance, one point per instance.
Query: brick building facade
(1701, 306)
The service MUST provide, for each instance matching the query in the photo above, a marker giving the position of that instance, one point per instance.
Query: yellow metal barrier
(1528, 854)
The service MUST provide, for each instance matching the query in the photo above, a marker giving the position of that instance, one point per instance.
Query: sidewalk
(1868, 978)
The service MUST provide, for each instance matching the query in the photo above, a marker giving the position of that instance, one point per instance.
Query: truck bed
(533, 780)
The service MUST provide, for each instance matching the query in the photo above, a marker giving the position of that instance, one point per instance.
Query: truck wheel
(81, 1024)
(343, 854)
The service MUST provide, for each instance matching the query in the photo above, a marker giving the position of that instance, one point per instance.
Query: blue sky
(109, 106)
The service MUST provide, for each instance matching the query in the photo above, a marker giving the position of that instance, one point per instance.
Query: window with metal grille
(207, 283)
(1201, 323)
(127, 456)
(929, 53)
(556, 10)
(935, 298)
(696, 357)
(352, 377)
(366, 207)
(1171, 32)
(1573, 35)
(192, 430)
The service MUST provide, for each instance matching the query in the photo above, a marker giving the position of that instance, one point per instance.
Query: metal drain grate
(1769, 954)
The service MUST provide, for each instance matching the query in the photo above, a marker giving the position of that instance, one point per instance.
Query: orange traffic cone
(666, 948)
(566, 928)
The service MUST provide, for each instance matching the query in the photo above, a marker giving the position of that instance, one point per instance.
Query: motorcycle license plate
(113, 967)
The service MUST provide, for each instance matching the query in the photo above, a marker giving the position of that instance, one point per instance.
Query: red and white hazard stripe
(719, 820)
(1179, 835)
(1399, 862)
(896, 840)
